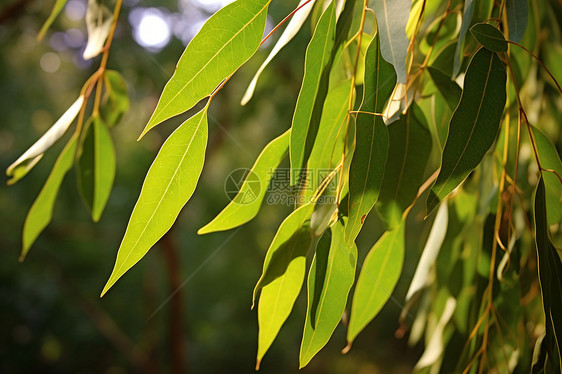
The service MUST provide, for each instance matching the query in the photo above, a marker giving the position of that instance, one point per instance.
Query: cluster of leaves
(399, 101)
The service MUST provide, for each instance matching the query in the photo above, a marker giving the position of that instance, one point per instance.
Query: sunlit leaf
(369, 159)
(41, 211)
(57, 8)
(468, 11)
(26, 161)
(517, 16)
(247, 201)
(474, 124)
(98, 22)
(227, 40)
(116, 102)
(379, 274)
(283, 274)
(293, 27)
(392, 17)
(317, 57)
(96, 167)
(331, 276)
(169, 183)
(489, 36)
(408, 152)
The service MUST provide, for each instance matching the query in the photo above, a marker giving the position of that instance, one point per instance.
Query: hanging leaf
(467, 13)
(98, 23)
(241, 210)
(517, 15)
(410, 146)
(57, 8)
(331, 276)
(169, 183)
(288, 34)
(225, 42)
(474, 124)
(379, 275)
(317, 57)
(369, 158)
(283, 274)
(490, 37)
(41, 211)
(96, 167)
(116, 102)
(26, 161)
(392, 17)
(448, 88)
(550, 278)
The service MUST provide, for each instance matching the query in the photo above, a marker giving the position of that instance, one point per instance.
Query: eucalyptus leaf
(57, 8)
(378, 277)
(448, 88)
(225, 42)
(169, 183)
(317, 56)
(467, 13)
(489, 36)
(116, 102)
(98, 23)
(241, 210)
(25, 162)
(41, 211)
(474, 124)
(330, 278)
(517, 16)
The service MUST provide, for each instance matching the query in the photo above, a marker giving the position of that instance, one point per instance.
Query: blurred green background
(51, 316)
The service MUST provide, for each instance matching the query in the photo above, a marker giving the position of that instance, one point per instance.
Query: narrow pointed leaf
(317, 57)
(331, 276)
(392, 17)
(283, 274)
(467, 13)
(41, 211)
(369, 158)
(241, 209)
(96, 167)
(117, 98)
(293, 27)
(26, 161)
(225, 42)
(57, 8)
(379, 275)
(550, 278)
(448, 88)
(98, 22)
(474, 124)
(410, 146)
(517, 16)
(169, 183)
(490, 37)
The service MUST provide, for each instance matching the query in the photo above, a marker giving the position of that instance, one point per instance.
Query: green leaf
(98, 23)
(241, 209)
(517, 16)
(467, 13)
(225, 42)
(331, 276)
(489, 36)
(550, 159)
(96, 167)
(116, 102)
(317, 56)
(379, 275)
(25, 162)
(41, 211)
(550, 278)
(293, 27)
(474, 124)
(169, 183)
(392, 17)
(57, 8)
(448, 88)
(410, 146)
(369, 158)
(283, 274)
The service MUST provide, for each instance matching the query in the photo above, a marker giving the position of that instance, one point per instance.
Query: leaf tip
(347, 348)
(258, 362)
